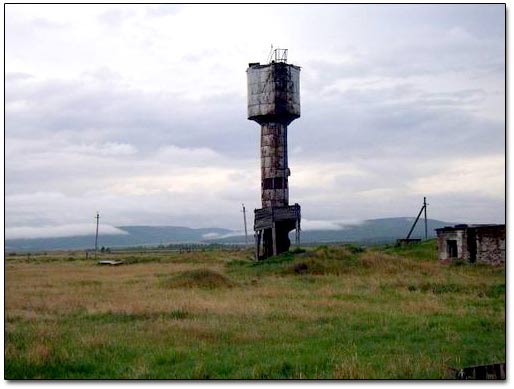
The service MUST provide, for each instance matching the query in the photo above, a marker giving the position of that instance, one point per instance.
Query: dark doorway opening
(452, 248)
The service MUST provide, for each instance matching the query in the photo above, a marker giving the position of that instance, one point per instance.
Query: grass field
(336, 312)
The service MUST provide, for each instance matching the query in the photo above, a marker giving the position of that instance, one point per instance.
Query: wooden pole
(256, 245)
(246, 231)
(414, 225)
(274, 237)
(96, 236)
(297, 232)
(425, 207)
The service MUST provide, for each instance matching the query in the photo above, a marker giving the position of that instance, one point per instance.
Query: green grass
(327, 312)
(424, 250)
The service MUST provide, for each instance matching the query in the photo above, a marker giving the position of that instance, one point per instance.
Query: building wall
(491, 245)
(442, 246)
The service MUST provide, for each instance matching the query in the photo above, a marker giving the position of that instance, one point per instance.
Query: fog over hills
(365, 232)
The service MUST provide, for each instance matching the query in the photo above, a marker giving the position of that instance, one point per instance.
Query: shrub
(300, 267)
(354, 249)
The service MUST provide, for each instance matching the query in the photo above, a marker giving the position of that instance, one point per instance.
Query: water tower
(274, 102)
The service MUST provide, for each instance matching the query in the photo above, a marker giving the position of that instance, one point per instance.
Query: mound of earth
(198, 279)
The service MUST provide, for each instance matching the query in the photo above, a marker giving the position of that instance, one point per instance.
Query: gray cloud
(109, 111)
(151, 129)
(163, 10)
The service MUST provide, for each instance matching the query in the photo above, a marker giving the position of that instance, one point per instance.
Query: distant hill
(366, 232)
(136, 236)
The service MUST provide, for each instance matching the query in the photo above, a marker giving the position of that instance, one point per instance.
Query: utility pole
(425, 208)
(96, 237)
(246, 231)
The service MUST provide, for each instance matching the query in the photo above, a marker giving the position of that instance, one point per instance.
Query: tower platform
(276, 222)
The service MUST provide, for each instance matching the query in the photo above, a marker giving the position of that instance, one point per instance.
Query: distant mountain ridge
(135, 236)
(366, 232)
(383, 230)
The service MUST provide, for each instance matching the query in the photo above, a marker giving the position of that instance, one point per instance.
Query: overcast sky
(139, 112)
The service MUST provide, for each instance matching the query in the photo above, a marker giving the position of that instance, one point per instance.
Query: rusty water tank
(273, 92)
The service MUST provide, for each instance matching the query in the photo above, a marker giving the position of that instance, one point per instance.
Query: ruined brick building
(482, 243)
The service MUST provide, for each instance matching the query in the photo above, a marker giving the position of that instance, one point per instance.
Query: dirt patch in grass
(202, 278)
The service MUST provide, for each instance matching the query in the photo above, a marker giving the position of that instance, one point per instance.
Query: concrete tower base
(272, 227)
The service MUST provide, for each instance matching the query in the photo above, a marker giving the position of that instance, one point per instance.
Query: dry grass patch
(206, 316)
